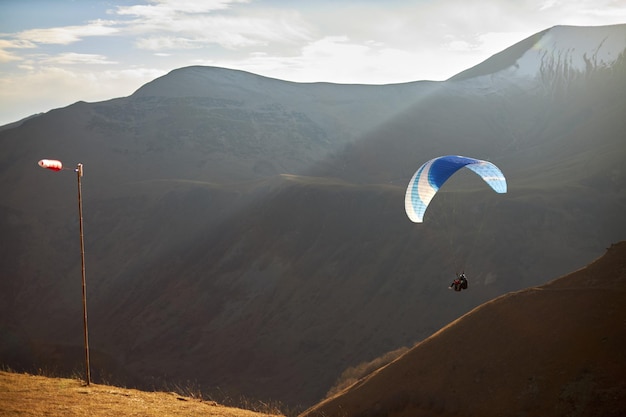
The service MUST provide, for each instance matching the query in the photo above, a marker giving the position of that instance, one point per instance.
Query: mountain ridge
(558, 51)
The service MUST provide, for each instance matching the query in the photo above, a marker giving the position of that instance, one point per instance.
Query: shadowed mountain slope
(552, 350)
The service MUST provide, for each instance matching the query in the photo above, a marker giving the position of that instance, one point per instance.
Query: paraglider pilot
(460, 282)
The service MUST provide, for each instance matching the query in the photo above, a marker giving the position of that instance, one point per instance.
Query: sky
(56, 52)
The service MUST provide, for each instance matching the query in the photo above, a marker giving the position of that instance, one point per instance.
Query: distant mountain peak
(201, 81)
(560, 50)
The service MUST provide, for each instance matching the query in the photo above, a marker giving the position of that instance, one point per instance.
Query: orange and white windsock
(52, 164)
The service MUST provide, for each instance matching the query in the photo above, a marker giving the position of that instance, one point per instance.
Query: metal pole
(79, 174)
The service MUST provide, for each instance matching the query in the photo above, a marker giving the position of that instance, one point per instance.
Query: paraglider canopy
(430, 177)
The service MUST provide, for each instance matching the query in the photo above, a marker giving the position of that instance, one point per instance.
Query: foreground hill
(552, 350)
(34, 396)
(249, 233)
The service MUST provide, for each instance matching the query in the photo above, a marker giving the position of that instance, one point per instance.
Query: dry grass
(34, 396)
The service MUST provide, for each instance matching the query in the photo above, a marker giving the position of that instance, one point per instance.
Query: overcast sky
(56, 52)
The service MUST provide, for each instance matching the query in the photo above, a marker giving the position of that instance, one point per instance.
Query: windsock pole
(56, 165)
(79, 174)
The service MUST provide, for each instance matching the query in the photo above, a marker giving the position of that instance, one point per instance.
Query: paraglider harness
(460, 283)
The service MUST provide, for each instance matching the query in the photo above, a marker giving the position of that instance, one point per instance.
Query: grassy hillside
(552, 350)
(33, 396)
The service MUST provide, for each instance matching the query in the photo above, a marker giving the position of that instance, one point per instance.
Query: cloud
(68, 34)
(72, 58)
(160, 43)
(341, 60)
(230, 31)
(5, 45)
(168, 8)
(585, 9)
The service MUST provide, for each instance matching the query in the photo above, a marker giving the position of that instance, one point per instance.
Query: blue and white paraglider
(431, 176)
